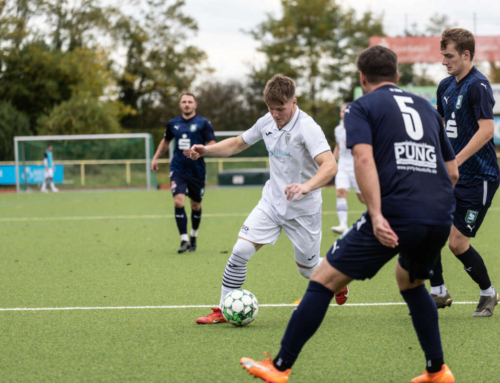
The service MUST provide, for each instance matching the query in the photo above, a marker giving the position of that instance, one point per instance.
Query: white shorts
(264, 225)
(49, 173)
(346, 180)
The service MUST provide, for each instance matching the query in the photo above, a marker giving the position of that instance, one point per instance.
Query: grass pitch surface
(118, 249)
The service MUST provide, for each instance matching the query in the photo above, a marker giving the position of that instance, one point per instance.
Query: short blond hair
(279, 90)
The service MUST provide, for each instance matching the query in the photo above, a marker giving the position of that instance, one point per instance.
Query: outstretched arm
(368, 182)
(225, 148)
(327, 169)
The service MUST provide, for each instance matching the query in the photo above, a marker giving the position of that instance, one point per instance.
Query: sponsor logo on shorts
(310, 259)
(173, 186)
(245, 228)
(471, 216)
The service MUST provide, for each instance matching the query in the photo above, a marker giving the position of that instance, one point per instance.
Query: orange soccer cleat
(443, 376)
(214, 318)
(342, 295)
(265, 370)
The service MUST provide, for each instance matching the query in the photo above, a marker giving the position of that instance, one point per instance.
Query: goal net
(86, 161)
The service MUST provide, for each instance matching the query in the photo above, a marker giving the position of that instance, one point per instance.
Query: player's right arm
(368, 182)
(162, 149)
(225, 148)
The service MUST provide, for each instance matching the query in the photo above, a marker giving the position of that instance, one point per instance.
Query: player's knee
(308, 272)
(243, 250)
(179, 200)
(196, 206)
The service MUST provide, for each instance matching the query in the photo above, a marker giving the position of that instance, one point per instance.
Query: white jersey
(346, 160)
(292, 151)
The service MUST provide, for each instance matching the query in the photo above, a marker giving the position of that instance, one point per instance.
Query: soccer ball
(240, 307)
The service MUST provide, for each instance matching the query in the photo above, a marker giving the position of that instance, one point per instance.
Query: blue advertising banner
(35, 173)
(497, 131)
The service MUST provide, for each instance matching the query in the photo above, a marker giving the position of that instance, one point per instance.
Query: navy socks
(474, 265)
(305, 320)
(181, 219)
(425, 321)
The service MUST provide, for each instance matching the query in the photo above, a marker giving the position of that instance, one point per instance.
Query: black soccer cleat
(185, 246)
(193, 244)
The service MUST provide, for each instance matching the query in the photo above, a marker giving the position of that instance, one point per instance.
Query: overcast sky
(222, 22)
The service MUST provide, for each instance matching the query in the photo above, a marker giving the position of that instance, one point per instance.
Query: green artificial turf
(118, 249)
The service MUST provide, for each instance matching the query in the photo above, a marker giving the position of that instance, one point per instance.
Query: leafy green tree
(160, 64)
(226, 105)
(12, 123)
(315, 42)
(82, 114)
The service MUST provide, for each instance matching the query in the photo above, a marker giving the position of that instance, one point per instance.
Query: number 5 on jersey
(413, 122)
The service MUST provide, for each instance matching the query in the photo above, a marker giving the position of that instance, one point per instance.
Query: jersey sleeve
(446, 148)
(357, 126)
(481, 99)
(439, 101)
(253, 135)
(315, 141)
(208, 132)
(169, 135)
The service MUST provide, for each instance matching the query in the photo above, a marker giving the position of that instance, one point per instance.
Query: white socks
(236, 267)
(439, 290)
(342, 211)
(442, 291)
(194, 233)
(488, 292)
(184, 237)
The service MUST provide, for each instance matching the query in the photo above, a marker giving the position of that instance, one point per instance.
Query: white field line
(124, 217)
(200, 306)
(150, 216)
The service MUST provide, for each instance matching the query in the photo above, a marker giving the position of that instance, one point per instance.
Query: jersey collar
(472, 71)
(290, 124)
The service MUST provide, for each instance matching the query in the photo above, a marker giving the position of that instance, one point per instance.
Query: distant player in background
(405, 168)
(187, 177)
(465, 101)
(345, 178)
(301, 162)
(50, 169)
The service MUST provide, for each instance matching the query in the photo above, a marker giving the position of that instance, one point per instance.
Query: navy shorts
(474, 198)
(192, 187)
(359, 254)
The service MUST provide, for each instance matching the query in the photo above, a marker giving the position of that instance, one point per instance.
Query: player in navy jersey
(465, 101)
(405, 168)
(187, 177)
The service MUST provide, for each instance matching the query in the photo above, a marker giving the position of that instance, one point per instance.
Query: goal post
(87, 161)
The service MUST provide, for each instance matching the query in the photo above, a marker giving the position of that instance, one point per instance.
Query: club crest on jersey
(288, 137)
(471, 216)
(459, 102)
(193, 128)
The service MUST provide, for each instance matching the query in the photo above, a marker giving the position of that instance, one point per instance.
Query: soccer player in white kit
(300, 162)
(345, 178)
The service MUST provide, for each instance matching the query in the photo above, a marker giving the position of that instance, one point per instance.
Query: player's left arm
(482, 102)
(327, 169)
(484, 134)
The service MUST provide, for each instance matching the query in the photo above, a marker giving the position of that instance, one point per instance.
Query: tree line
(84, 67)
